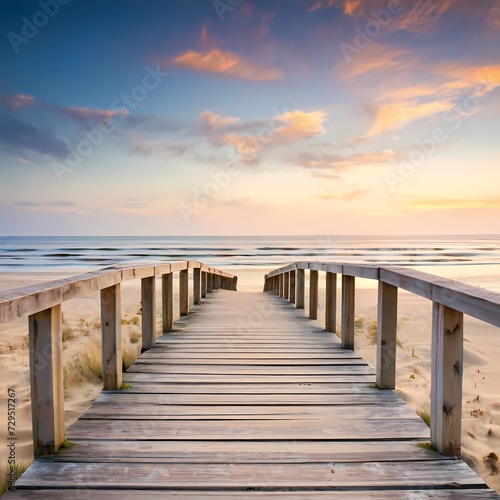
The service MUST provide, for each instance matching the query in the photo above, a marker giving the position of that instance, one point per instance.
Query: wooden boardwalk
(247, 398)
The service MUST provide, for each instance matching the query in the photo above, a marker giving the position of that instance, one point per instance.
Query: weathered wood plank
(334, 475)
(123, 494)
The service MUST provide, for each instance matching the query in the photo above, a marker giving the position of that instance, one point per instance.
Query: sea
(35, 253)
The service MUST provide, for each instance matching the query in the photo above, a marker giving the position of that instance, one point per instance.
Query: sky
(242, 117)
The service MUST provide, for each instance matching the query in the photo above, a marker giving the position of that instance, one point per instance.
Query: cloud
(321, 4)
(338, 163)
(217, 120)
(248, 137)
(15, 101)
(18, 136)
(227, 64)
(56, 206)
(428, 203)
(375, 57)
(422, 17)
(298, 125)
(396, 115)
(341, 196)
(159, 147)
(86, 114)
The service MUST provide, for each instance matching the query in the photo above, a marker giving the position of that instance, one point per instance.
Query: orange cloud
(87, 113)
(347, 162)
(345, 196)
(423, 16)
(351, 6)
(299, 124)
(218, 120)
(395, 115)
(227, 64)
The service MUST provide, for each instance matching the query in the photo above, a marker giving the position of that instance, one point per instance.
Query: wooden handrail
(451, 300)
(42, 304)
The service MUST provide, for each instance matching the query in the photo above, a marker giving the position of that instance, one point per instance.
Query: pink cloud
(226, 64)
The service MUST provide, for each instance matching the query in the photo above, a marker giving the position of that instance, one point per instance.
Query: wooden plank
(111, 337)
(125, 397)
(331, 303)
(263, 412)
(255, 362)
(250, 370)
(313, 294)
(333, 475)
(234, 388)
(446, 379)
(300, 297)
(46, 376)
(347, 331)
(197, 285)
(123, 494)
(167, 301)
(148, 316)
(184, 292)
(246, 451)
(217, 378)
(387, 325)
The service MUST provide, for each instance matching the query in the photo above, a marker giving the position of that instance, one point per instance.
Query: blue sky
(303, 117)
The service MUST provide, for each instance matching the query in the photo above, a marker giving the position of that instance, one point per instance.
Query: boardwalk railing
(42, 303)
(451, 300)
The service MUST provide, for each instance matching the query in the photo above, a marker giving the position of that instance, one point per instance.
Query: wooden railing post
(348, 312)
(197, 285)
(46, 372)
(286, 285)
(292, 286)
(184, 292)
(167, 301)
(446, 379)
(203, 284)
(301, 285)
(387, 324)
(111, 337)
(331, 303)
(148, 302)
(313, 294)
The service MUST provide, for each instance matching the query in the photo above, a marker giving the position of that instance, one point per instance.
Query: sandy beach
(81, 347)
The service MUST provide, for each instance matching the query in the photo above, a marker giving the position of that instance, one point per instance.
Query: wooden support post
(203, 284)
(111, 337)
(301, 285)
(148, 302)
(348, 312)
(292, 286)
(235, 283)
(280, 284)
(313, 294)
(446, 379)
(219, 281)
(46, 372)
(184, 292)
(286, 285)
(276, 284)
(210, 282)
(197, 285)
(387, 323)
(167, 302)
(331, 303)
